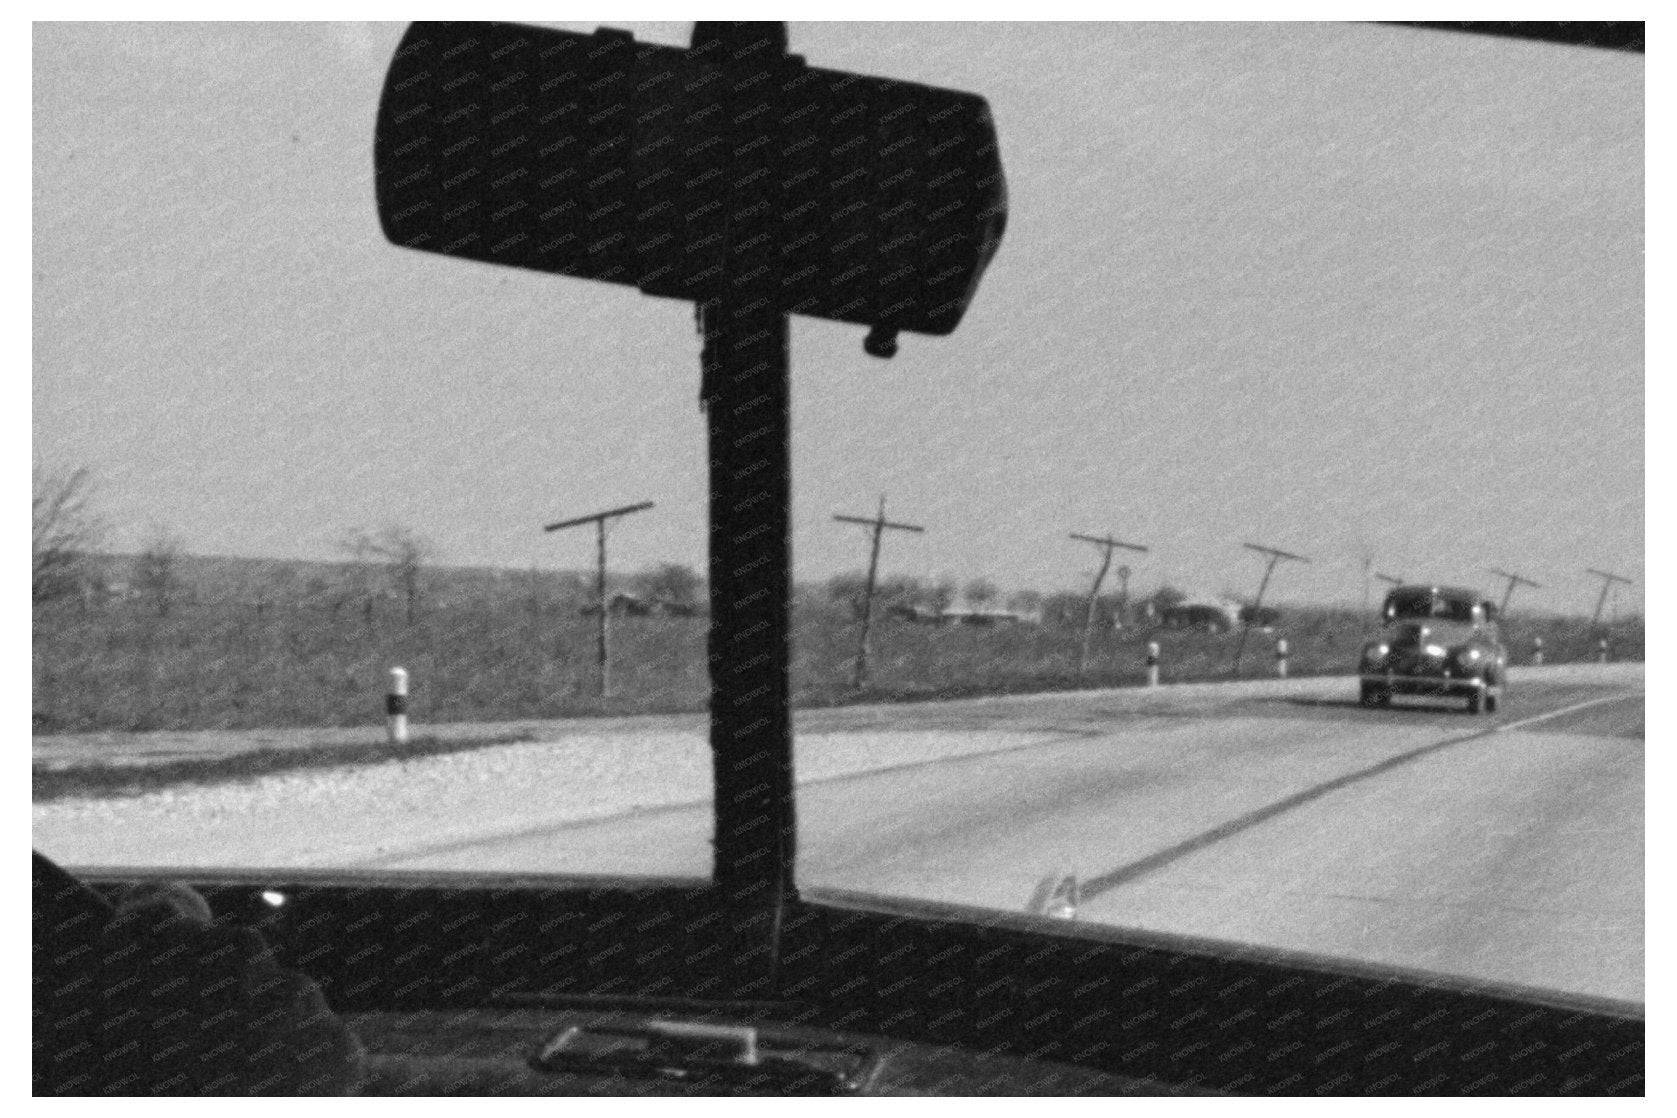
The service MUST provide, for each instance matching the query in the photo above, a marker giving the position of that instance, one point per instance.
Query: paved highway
(1506, 848)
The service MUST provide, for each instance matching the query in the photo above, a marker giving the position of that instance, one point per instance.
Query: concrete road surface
(1506, 848)
(1418, 836)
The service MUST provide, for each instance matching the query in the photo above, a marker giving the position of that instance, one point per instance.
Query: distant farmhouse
(634, 605)
(925, 615)
(1217, 615)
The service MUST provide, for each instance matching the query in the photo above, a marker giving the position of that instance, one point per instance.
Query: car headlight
(1436, 651)
(1375, 654)
(1466, 657)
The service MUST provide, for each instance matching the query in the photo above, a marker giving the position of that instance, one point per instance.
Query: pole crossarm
(1609, 576)
(600, 516)
(1107, 542)
(1394, 580)
(875, 522)
(1275, 553)
(1514, 579)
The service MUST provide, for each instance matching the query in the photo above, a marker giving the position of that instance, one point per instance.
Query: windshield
(355, 557)
(1418, 605)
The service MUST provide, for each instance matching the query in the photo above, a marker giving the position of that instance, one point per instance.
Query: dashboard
(499, 1052)
(513, 986)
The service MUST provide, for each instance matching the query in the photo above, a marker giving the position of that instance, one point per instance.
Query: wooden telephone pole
(598, 519)
(1107, 545)
(1508, 592)
(1276, 555)
(1607, 581)
(878, 524)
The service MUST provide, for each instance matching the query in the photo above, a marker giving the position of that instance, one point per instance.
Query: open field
(237, 650)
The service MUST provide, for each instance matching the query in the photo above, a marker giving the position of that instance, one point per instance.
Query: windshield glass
(1418, 605)
(354, 557)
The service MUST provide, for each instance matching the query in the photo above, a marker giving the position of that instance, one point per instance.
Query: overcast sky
(1353, 291)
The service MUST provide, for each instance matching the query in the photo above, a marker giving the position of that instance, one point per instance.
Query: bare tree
(1065, 609)
(980, 592)
(672, 584)
(900, 590)
(1164, 598)
(357, 545)
(157, 568)
(847, 588)
(402, 552)
(66, 532)
(1028, 602)
(940, 595)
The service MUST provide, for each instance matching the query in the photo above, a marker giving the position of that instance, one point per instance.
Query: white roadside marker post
(396, 707)
(1281, 658)
(1537, 651)
(1152, 663)
(1601, 651)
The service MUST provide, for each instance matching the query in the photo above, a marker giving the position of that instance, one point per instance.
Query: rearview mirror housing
(604, 158)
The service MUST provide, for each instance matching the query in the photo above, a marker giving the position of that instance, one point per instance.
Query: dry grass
(489, 653)
(107, 780)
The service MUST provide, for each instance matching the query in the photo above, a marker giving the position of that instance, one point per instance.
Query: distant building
(982, 617)
(1210, 617)
(634, 605)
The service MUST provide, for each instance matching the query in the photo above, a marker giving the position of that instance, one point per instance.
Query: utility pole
(1276, 555)
(1513, 581)
(1107, 545)
(599, 519)
(877, 525)
(1607, 581)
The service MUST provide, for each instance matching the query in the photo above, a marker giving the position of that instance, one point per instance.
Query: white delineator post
(1152, 663)
(396, 707)
(1601, 651)
(1281, 658)
(1537, 651)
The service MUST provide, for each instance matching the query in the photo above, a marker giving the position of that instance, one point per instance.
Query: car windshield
(1419, 605)
(354, 557)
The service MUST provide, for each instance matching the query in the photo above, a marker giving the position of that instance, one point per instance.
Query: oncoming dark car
(1437, 640)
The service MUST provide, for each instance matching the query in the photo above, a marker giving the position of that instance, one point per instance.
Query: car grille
(1412, 661)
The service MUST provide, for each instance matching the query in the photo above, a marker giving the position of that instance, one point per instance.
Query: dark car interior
(542, 985)
(473, 987)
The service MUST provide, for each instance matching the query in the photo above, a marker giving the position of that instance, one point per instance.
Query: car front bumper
(1400, 684)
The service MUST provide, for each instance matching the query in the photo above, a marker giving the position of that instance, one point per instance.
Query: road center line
(1124, 875)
